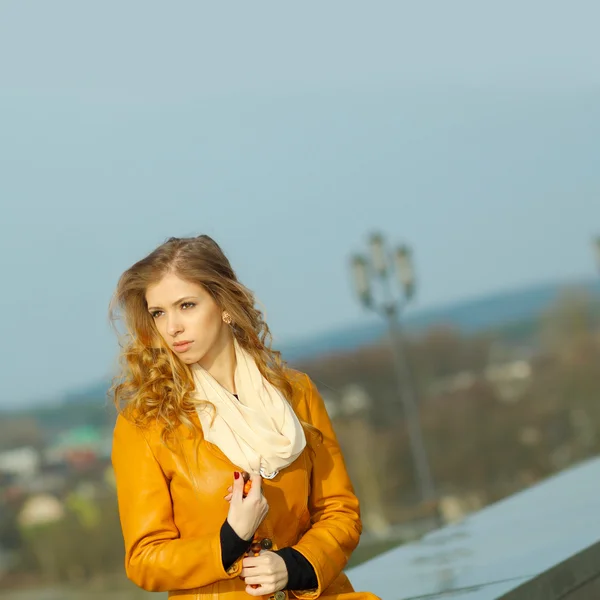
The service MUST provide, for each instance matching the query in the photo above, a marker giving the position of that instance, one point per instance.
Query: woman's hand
(246, 514)
(267, 571)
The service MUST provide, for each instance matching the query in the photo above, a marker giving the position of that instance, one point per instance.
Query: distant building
(20, 463)
(41, 510)
(79, 447)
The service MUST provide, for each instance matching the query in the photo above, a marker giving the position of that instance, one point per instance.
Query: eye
(188, 304)
(155, 313)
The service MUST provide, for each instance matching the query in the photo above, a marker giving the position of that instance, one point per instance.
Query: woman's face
(187, 318)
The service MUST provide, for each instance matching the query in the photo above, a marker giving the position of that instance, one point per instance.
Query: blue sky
(288, 132)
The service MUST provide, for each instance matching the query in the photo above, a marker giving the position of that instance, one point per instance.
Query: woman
(202, 402)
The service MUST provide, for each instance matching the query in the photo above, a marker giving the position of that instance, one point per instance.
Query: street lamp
(380, 266)
(596, 244)
(360, 268)
(404, 267)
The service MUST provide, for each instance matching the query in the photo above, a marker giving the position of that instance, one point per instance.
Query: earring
(226, 318)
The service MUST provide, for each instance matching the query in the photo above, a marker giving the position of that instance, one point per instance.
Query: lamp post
(383, 266)
(596, 244)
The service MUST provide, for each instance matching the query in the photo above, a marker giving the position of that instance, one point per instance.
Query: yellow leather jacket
(172, 508)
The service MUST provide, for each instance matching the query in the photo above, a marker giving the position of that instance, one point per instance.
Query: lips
(181, 346)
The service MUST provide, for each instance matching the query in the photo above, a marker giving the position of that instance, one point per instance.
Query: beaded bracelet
(247, 483)
(254, 550)
(255, 547)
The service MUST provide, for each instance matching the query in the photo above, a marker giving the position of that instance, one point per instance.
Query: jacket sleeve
(334, 508)
(157, 559)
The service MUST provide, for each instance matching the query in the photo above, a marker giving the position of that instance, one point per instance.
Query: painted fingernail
(236, 475)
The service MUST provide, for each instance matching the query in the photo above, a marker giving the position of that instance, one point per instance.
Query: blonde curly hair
(153, 384)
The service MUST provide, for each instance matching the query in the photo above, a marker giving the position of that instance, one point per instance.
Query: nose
(174, 327)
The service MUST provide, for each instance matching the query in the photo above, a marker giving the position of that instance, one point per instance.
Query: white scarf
(258, 433)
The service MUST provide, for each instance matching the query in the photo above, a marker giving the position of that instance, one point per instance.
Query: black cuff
(301, 575)
(232, 545)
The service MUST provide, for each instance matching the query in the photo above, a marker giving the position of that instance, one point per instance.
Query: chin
(188, 360)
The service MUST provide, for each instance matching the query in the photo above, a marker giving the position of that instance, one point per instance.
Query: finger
(262, 580)
(256, 562)
(253, 572)
(228, 497)
(238, 488)
(256, 489)
(252, 562)
(261, 590)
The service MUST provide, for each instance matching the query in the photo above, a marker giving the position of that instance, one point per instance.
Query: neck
(220, 362)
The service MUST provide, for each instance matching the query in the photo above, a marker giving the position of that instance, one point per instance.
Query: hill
(491, 312)
(516, 310)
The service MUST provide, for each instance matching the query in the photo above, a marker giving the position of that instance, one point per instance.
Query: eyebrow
(174, 303)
